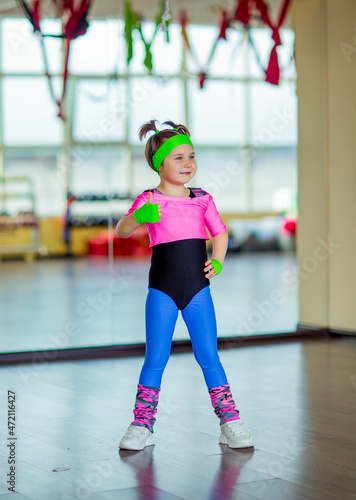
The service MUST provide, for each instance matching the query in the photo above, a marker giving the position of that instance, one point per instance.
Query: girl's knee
(208, 359)
(155, 361)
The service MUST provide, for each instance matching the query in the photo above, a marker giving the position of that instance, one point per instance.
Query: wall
(326, 240)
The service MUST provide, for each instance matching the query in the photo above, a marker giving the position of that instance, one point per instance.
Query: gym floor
(298, 399)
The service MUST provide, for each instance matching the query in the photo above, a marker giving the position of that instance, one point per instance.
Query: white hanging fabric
(165, 17)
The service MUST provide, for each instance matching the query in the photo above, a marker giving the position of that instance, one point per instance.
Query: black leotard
(177, 267)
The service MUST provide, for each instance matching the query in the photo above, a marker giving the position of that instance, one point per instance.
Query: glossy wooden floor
(297, 399)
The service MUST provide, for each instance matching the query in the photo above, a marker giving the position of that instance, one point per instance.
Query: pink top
(183, 218)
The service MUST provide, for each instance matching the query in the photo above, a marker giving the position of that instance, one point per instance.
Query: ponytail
(159, 137)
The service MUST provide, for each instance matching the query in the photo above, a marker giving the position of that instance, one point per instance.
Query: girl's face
(179, 166)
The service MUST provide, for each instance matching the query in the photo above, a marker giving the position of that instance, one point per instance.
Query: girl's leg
(199, 316)
(161, 317)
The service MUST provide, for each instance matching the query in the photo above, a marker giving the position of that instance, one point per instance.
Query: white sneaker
(235, 434)
(136, 438)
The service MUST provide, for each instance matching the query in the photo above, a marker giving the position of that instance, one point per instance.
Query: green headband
(167, 147)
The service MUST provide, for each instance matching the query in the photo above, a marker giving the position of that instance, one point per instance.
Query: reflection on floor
(297, 399)
(80, 302)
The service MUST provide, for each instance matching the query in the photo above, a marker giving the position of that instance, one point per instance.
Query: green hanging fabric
(148, 57)
(130, 25)
(132, 22)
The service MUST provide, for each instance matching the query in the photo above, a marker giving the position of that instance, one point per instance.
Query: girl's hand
(209, 270)
(213, 267)
(150, 199)
(149, 212)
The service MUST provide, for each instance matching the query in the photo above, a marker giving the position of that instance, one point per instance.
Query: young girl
(176, 218)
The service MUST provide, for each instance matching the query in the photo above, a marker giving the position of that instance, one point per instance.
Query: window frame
(69, 143)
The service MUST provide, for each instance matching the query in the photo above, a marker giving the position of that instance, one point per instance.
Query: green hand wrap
(147, 213)
(216, 265)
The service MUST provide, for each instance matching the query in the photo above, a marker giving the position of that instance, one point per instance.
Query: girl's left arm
(219, 251)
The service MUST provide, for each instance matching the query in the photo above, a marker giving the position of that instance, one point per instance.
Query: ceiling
(199, 11)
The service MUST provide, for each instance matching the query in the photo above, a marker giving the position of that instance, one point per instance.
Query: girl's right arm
(126, 226)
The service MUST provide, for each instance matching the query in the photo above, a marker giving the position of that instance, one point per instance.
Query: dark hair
(156, 140)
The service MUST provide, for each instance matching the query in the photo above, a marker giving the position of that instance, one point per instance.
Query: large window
(28, 112)
(244, 132)
(244, 129)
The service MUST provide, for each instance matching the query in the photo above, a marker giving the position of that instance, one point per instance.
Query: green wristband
(147, 213)
(216, 265)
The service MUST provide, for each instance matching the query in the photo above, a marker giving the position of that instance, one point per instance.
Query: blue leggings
(161, 318)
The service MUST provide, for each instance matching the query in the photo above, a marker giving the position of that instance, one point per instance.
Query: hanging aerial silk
(74, 19)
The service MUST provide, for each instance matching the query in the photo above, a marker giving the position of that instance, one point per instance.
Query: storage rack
(90, 220)
(23, 219)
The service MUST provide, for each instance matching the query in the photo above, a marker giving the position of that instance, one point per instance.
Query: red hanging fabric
(283, 13)
(183, 19)
(243, 12)
(225, 23)
(36, 16)
(202, 77)
(75, 25)
(273, 70)
(65, 78)
(263, 10)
